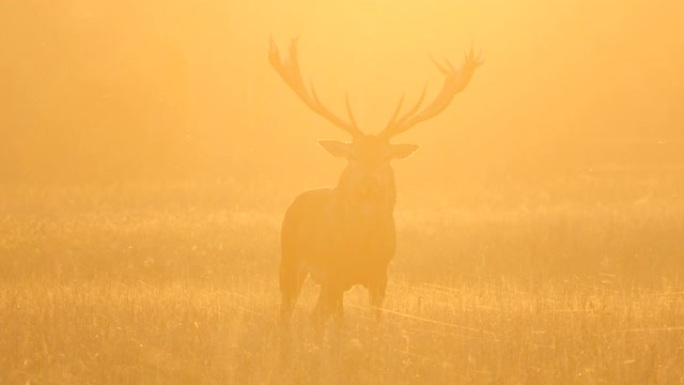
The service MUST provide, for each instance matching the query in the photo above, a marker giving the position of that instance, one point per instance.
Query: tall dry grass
(571, 281)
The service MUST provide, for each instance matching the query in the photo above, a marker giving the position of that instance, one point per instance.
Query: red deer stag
(345, 235)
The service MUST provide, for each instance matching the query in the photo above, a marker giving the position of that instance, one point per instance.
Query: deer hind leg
(291, 280)
(376, 291)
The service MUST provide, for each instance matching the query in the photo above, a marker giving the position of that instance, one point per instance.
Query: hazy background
(148, 153)
(99, 90)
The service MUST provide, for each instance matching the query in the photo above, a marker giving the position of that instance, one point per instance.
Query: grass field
(572, 281)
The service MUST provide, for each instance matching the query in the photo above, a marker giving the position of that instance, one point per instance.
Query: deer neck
(357, 207)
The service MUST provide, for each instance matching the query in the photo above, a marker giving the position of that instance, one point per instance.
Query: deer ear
(402, 151)
(336, 148)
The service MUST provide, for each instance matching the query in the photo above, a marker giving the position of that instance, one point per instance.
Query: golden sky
(186, 86)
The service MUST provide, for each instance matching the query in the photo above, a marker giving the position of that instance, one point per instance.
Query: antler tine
(289, 71)
(349, 110)
(387, 132)
(440, 67)
(396, 111)
(455, 80)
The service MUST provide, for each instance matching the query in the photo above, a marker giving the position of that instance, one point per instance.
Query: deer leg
(329, 303)
(338, 308)
(376, 291)
(322, 309)
(291, 281)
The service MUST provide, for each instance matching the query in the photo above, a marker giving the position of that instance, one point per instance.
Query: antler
(289, 71)
(455, 81)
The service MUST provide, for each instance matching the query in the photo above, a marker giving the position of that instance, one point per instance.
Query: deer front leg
(329, 303)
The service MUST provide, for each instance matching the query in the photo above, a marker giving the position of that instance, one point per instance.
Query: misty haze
(522, 224)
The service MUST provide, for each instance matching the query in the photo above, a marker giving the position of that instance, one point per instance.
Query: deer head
(369, 171)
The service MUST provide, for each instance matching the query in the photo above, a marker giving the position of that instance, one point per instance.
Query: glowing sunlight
(342, 192)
